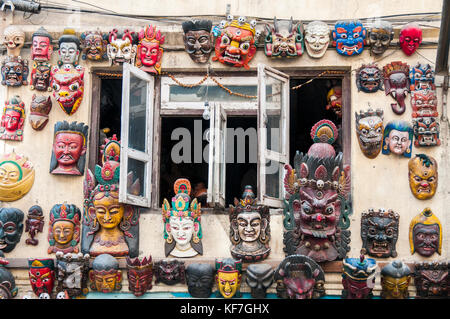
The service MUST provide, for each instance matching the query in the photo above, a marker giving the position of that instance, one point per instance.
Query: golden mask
(423, 176)
(16, 176)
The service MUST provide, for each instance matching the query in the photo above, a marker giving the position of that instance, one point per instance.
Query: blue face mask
(349, 37)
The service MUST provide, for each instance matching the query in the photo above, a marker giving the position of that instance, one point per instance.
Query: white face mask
(120, 51)
(249, 226)
(68, 52)
(181, 229)
(317, 38)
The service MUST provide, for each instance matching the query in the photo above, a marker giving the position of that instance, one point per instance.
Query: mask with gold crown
(64, 228)
(13, 119)
(182, 227)
(16, 176)
(317, 199)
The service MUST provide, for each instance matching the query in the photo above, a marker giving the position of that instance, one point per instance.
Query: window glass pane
(274, 101)
(273, 179)
(136, 177)
(137, 116)
(215, 93)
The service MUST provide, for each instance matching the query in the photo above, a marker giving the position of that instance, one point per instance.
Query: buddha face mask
(105, 275)
(397, 138)
(395, 278)
(410, 38)
(425, 234)
(369, 130)
(423, 176)
(349, 37)
(317, 38)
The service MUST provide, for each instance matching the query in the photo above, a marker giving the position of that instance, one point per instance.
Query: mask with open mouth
(93, 45)
(369, 130)
(284, 39)
(228, 277)
(40, 76)
(422, 77)
(349, 37)
(121, 47)
(68, 87)
(397, 84)
(426, 131)
(379, 232)
(424, 103)
(432, 279)
(423, 176)
(369, 78)
(42, 275)
(14, 71)
(170, 271)
(425, 234)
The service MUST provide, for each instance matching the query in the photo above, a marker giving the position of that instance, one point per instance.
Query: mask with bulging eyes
(259, 278)
(44, 295)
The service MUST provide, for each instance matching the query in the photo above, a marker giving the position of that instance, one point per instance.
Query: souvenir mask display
(425, 234)
(64, 228)
(431, 279)
(170, 271)
(424, 103)
(369, 130)
(40, 76)
(259, 277)
(410, 38)
(140, 275)
(40, 107)
(284, 39)
(13, 119)
(105, 275)
(249, 228)
(34, 224)
(349, 37)
(369, 78)
(149, 50)
(14, 71)
(42, 275)
(379, 232)
(395, 278)
(8, 289)
(397, 138)
(423, 176)
(182, 227)
(13, 39)
(69, 148)
(68, 86)
(228, 277)
(358, 277)
(235, 45)
(16, 176)
(72, 274)
(69, 48)
(108, 226)
(41, 47)
(317, 189)
(380, 35)
(11, 228)
(317, 38)
(422, 77)
(93, 45)
(334, 100)
(200, 280)
(299, 277)
(198, 40)
(396, 83)
(426, 131)
(121, 47)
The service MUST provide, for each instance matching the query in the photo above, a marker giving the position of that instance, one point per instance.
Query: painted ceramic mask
(72, 274)
(69, 48)
(284, 39)
(380, 35)
(40, 107)
(69, 148)
(369, 78)
(334, 100)
(369, 130)
(13, 119)
(249, 228)
(68, 86)
(121, 47)
(13, 39)
(108, 226)
(424, 103)
(235, 45)
(64, 228)
(182, 227)
(93, 45)
(396, 83)
(316, 213)
(42, 275)
(41, 47)
(228, 277)
(170, 271)
(422, 77)
(317, 38)
(41, 76)
(14, 71)
(395, 278)
(423, 176)
(200, 280)
(410, 38)
(259, 277)
(8, 289)
(34, 224)
(11, 228)
(397, 138)
(379, 232)
(140, 275)
(431, 280)
(425, 234)
(358, 277)
(149, 50)
(16, 176)
(426, 131)
(105, 275)
(198, 40)
(299, 277)
(349, 37)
